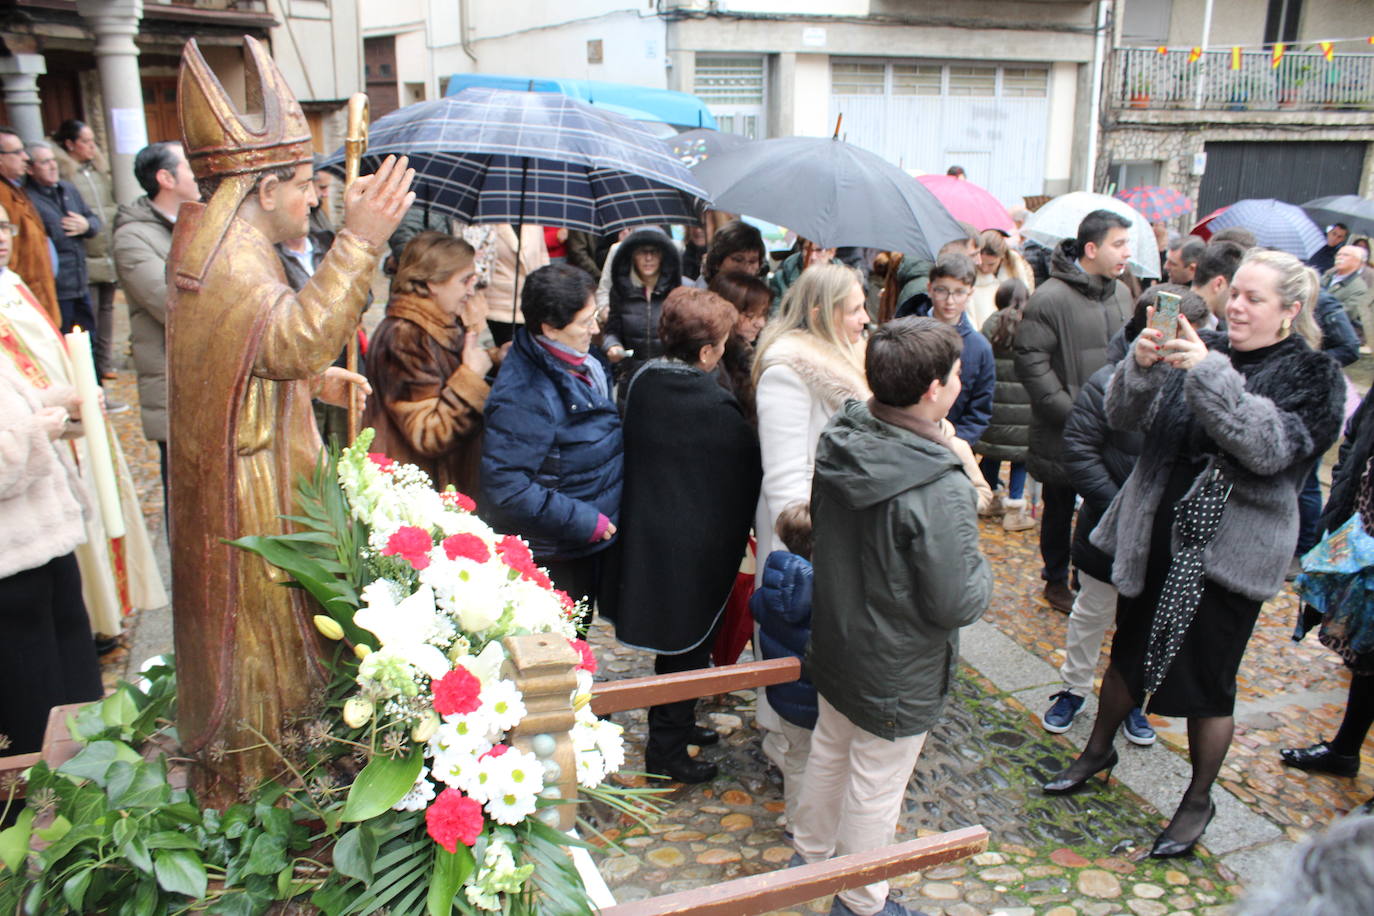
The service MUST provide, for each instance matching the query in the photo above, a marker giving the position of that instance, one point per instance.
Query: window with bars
(729, 80)
(973, 81)
(916, 79)
(852, 77)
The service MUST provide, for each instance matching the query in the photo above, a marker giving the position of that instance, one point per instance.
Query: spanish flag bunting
(1195, 54)
(1235, 57)
(1278, 54)
(1328, 50)
(1161, 50)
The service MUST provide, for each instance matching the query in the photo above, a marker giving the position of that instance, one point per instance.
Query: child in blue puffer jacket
(782, 608)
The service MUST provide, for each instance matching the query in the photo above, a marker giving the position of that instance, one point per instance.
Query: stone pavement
(983, 764)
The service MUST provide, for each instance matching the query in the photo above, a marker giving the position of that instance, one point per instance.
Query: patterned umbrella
(1157, 204)
(1059, 220)
(1274, 223)
(967, 201)
(1355, 211)
(492, 156)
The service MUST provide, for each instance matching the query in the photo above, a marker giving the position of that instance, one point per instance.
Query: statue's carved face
(289, 203)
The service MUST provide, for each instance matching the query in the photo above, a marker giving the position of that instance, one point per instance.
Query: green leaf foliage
(14, 841)
(94, 760)
(180, 872)
(354, 853)
(381, 784)
(451, 869)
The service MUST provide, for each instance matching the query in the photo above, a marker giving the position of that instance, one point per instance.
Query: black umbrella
(1355, 211)
(830, 192)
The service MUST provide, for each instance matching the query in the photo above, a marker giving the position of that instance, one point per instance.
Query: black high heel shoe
(1064, 785)
(1166, 847)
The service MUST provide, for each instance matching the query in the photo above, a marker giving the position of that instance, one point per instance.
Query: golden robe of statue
(243, 352)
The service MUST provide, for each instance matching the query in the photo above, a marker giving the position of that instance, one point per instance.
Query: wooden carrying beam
(792, 886)
(641, 692)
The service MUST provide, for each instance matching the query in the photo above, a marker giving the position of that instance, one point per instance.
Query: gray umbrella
(829, 192)
(1355, 211)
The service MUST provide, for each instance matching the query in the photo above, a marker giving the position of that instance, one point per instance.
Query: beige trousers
(852, 796)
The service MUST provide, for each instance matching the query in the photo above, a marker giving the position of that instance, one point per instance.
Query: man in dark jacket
(68, 221)
(897, 572)
(1061, 342)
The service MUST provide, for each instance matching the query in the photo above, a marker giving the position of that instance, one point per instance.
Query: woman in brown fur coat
(427, 370)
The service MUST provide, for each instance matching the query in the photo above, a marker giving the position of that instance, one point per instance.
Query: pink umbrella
(968, 202)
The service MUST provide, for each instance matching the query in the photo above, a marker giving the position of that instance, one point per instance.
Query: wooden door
(160, 108)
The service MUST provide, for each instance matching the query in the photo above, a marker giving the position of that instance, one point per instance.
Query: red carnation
(457, 692)
(468, 546)
(412, 544)
(459, 500)
(497, 750)
(587, 660)
(454, 818)
(383, 463)
(565, 599)
(515, 553)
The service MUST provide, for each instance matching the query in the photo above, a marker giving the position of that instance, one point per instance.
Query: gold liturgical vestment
(241, 353)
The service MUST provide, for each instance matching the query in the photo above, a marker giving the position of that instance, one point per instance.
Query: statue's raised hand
(374, 204)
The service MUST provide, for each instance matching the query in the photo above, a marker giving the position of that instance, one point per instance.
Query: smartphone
(1165, 319)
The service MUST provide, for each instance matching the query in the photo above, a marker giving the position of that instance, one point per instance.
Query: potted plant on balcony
(1139, 91)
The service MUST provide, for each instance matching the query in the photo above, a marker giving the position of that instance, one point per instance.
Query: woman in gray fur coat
(1233, 423)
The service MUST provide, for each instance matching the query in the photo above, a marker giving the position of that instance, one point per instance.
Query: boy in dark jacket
(898, 572)
(782, 608)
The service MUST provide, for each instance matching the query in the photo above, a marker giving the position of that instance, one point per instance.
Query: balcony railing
(1144, 78)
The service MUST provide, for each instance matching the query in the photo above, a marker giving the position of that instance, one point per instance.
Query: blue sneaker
(1062, 713)
(1138, 729)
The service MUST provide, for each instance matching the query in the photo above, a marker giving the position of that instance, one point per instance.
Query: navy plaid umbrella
(492, 156)
(1275, 224)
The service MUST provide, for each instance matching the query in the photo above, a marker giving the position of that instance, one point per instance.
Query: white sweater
(40, 505)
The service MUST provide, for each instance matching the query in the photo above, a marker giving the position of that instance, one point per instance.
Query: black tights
(1209, 738)
(1359, 715)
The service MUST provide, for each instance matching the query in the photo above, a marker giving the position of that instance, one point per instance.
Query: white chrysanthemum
(583, 734)
(420, 794)
(510, 807)
(585, 680)
(503, 704)
(460, 735)
(537, 610)
(515, 771)
(591, 769)
(458, 768)
(610, 742)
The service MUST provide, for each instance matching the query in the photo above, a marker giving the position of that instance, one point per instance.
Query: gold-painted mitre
(217, 139)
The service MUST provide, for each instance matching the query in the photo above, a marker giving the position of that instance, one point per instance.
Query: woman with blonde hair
(1202, 531)
(997, 262)
(808, 361)
(426, 367)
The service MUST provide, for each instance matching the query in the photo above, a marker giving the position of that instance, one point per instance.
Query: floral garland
(446, 589)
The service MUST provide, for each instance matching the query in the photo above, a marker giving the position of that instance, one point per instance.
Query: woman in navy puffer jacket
(553, 455)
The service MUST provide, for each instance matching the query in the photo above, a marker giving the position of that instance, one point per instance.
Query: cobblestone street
(982, 765)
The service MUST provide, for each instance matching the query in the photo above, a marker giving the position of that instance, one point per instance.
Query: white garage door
(928, 115)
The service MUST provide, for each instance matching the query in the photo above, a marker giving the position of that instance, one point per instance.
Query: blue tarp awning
(638, 102)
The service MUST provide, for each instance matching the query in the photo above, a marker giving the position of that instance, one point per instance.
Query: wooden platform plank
(642, 692)
(792, 886)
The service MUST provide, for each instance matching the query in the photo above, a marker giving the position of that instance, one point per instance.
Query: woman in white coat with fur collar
(809, 361)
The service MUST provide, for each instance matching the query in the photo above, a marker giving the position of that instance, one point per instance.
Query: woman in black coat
(1341, 755)
(692, 473)
(646, 268)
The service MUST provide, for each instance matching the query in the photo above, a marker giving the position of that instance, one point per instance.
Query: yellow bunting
(1328, 50)
(1235, 57)
(1278, 54)
(1161, 50)
(1195, 54)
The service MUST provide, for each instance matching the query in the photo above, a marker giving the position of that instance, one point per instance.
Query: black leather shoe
(1166, 847)
(702, 736)
(1319, 758)
(1063, 784)
(1060, 596)
(682, 769)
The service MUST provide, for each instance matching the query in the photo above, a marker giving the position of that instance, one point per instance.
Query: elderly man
(68, 221)
(1325, 258)
(29, 249)
(1346, 282)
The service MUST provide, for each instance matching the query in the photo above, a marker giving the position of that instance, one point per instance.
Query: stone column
(115, 23)
(19, 74)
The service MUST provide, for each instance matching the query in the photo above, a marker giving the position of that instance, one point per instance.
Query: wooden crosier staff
(355, 144)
